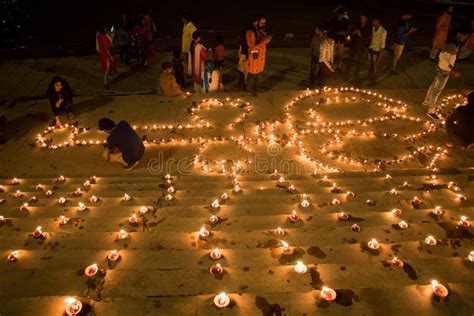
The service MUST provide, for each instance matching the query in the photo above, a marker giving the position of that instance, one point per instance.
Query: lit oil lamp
(281, 180)
(78, 192)
(81, 207)
(204, 233)
(439, 289)
(438, 211)
(126, 197)
(73, 306)
(93, 199)
(33, 199)
(350, 194)
(335, 188)
(87, 184)
(403, 225)
(405, 184)
(168, 197)
(393, 192)
(328, 294)
(343, 216)
(215, 204)
(143, 210)
(397, 262)
(48, 193)
(286, 249)
(335, 202)
(13, 256)
(291, 188)
(464, 222)
(63, 220)
(294, 217)
(224, 196)
(91, 270)
(452, 184)
(14, 181)
(236, 188)
(370, 202)
(113, 255)
(62, 201)
(373, 244)
(24, 207)
(324, 179)
(93, 180)
(61, 179)
(38, 233)
(216, 269)
(222, 300)
(356, 228)
(388, 177)
(300, 268)
(2, 219)
(2, 189)
(18, 194)
(39, 187)
(305, 203)
(213, 219)
(235, 181)
(133, 219)
(167, 177)
(461, 197)
(396, 212)
(279, 231)
(416, 202)
(470, 256)
(275, 174)
(171, 190)
(215, 254)
(430, 240)
(123, 234)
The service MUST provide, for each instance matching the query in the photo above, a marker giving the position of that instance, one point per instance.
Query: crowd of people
(365, 42)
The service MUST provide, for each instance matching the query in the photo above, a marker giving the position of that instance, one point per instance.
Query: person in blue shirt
(123, 143)
(404, 30)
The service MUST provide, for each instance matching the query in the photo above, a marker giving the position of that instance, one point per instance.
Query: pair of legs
(314, 70)
(434, 52)
(375, 58)
(397, 53)
(338, 54)
(356, 56)
(435, 90)
(253, 81)
(63, 109)
(323, 74)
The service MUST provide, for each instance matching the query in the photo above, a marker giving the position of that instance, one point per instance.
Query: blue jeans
(435, 89)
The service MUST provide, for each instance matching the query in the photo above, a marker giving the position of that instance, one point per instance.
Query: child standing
(178, 66)
(218, 55)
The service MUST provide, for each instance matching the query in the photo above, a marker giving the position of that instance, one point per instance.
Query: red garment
(147, 39)
(104, 48)
(219, 53)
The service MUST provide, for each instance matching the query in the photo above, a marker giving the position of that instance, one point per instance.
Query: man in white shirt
(326, 58)
(376, 47)
(447, 59)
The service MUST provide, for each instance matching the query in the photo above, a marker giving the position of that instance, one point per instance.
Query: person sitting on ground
(460, 125)
(123, 143)
(60, 97)
(168, 85)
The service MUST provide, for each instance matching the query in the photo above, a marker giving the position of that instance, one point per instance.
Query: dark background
(42, 28)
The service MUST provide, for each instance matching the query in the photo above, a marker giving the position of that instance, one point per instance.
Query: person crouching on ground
(123, 143)
(60, 97)
(460, 125)
(168, 85)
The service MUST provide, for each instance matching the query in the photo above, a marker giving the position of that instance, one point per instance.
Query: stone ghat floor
(164, 265)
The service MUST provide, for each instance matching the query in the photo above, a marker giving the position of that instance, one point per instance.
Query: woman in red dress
(107, 61)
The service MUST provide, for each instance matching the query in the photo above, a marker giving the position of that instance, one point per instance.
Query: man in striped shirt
(376, 47)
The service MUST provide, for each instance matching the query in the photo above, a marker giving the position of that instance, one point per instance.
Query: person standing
(178, 67)
(218, 57)
(441, 31)
(122, 39)
(198, 55)
(401, 38)
(447, 60)
(376, 47)
(107, 60)
(188, 30)
(60, 98)
(460, 125)
(316, 41)
(360, 40)
(340, 29)
(326, 58)
(257, 40)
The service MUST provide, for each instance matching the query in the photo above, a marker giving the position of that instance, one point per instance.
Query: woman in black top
(60, 97)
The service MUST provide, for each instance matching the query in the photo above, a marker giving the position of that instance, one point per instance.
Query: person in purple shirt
(123, 143)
